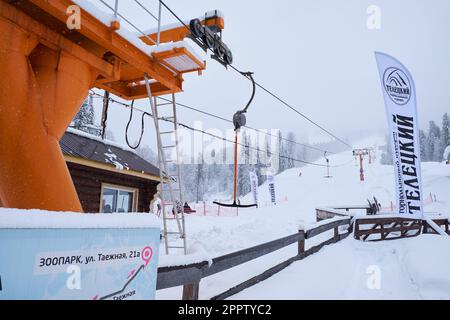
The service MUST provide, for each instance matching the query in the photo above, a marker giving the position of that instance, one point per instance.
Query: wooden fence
(324, 213)
(390, 228)
(189, 276)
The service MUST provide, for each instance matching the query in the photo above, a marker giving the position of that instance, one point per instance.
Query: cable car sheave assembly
(239, 120)
(47, 72)
(206, 32)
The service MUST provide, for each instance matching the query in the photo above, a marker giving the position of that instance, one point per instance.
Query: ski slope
(413, 268)
(209, 237)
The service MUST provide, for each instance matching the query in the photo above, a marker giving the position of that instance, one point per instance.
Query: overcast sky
(318, 55)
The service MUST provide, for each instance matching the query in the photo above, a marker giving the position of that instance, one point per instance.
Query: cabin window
(118, 199)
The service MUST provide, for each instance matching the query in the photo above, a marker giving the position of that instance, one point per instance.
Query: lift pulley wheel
(210, 40)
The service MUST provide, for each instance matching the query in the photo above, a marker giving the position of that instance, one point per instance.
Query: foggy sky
(318, 55)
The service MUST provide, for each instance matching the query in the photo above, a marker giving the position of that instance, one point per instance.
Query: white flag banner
(254, 186)
(271, 184)
(400, 100)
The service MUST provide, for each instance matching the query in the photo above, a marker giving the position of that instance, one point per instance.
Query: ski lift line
(297, 111)
(267, 90)
(220, 118)
(248, 127)
(258, 149)
(145, 113)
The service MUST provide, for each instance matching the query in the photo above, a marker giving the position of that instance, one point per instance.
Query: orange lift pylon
(46, 71)
(361, 153)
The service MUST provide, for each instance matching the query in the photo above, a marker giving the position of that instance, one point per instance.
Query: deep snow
(214, 236)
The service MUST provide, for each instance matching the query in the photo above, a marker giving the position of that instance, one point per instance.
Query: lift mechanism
(239, 121)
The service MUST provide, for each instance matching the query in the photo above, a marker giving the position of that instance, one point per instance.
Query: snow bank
(195, 254)
(28, 219)
(426, 260)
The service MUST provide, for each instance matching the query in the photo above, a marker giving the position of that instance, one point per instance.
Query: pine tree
(432, 142)
(85, 116)
(281, 150)
(444, 140)
(244, 167)
(200, 177)
(290, 150)
(422, 141)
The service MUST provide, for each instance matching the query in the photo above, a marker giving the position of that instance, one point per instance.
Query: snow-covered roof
(174, 45)
(99, 139)
(79, 144)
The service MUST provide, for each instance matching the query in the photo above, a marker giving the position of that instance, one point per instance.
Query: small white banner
(271, 184)
(400, 100)
(254, 186)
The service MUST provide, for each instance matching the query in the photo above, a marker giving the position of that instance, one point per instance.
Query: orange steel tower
(46, 71)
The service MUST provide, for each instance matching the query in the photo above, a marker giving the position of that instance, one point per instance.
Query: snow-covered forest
(433, 142)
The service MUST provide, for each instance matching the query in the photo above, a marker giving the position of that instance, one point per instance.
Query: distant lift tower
(361, 153)
(328, 165)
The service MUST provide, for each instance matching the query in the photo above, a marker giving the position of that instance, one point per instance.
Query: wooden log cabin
(108, 178)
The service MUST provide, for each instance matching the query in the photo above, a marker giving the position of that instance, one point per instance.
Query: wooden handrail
(190, 275)
(234, 259)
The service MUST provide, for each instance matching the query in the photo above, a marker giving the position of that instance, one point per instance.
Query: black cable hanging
(142, 127)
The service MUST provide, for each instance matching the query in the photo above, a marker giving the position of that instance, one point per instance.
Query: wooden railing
(440, 222)
(324, 213)
(189, 276)
(390, 228)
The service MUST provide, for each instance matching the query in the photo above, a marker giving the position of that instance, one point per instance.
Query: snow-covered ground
(332, 271)
(403, 269)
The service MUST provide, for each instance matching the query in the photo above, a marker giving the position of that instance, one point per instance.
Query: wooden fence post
(356, 230)
(301, 242)
(190, 291)
(336, 232)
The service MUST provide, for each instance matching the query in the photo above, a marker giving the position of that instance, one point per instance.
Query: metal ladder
(169, 169)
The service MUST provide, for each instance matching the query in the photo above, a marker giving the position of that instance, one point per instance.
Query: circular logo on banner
(397, 86)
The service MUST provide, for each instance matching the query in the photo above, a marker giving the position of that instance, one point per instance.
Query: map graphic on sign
(114, 264)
